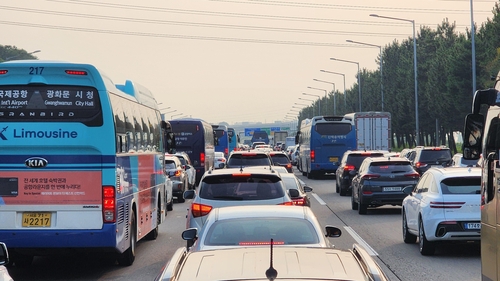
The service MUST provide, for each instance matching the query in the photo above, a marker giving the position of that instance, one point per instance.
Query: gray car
(178, 176)
(238, 186)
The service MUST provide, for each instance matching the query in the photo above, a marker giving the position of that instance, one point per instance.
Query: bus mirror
(473, 136)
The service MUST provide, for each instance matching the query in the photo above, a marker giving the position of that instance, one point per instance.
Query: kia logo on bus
(36, 162)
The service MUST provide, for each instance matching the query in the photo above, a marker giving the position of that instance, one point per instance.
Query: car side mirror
(4, 254)
(408, 189)
(190, 235)
(294, 193)
(188, 194)
(332, 231)
(308, 189)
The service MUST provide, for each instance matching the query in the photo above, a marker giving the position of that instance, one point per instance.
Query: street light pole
(381, 74)
(320, 97)
(417, 139)
(333, 93)
(319, 101)
(311, 106)
(359, 79)
(343, 75)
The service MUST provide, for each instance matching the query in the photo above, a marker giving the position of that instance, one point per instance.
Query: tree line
(444, 69)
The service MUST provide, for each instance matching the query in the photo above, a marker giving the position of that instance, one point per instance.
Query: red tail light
(349, 167)
(289, 203)
(200, 210)
(413, 175)
(299, 201)
(226, 151)
(289, 165)
(177, 173)
(76, 72)
(312, 155)
(3, 71)
(108, 204)
(367, 192)
(446, 205)
(370, 176)
(420, 165)
(202, 158)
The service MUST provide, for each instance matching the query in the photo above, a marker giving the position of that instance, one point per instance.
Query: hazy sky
(225, 60)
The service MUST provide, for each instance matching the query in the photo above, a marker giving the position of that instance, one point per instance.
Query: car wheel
(343, 191)
(408, 238)
(170, 205)
(354, 204)
(426, 247)
(309, 175)
(362, 208)
(336, 186)
(127, 258)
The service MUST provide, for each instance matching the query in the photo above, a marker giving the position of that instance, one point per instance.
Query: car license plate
(392, 188)
(334, 159)
(32, 219)
(472, 225)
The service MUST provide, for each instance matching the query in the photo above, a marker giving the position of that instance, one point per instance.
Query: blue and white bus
(196, 137)
(234, 139)
(322, 142)
(80, 161)
(222, 144)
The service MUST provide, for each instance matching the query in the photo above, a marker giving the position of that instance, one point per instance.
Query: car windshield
(256, 231)
(390, 167)
(230, 187)
(237, 160)
(461, 185)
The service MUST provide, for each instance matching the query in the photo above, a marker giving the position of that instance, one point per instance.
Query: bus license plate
(334, 159)
(472, 225)
(398, 188)
(36, 219)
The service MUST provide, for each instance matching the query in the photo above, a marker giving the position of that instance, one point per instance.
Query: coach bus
(80, 161)
(233, 139)
(481, 141)
(221, 133)
(322, 141)
(196, 137)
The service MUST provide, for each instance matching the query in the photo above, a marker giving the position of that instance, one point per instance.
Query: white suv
(443, 206)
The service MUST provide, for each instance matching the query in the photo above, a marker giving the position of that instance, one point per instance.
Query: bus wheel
(127, 258)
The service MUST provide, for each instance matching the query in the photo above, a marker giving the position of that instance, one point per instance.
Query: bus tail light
(200, 210)
(3, 71)
(76, 72)
(202, 158)
(108, 204)
(226, 151)
(312, 155)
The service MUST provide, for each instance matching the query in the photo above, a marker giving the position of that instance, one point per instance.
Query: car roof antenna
(271, 273)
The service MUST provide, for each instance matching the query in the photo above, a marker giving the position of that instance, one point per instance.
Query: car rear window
(280, 159)
(256, 231)
(237, 160)
(390, 167)
(435, 155)
(228, 187)
(356, 159)
(169, 164)
(461, 185)
(183, 161)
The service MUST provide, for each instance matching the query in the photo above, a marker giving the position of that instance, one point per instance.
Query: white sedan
(238, 226)
(443, 206)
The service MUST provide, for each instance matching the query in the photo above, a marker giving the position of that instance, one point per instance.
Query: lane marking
(320, 201)
(360, 241)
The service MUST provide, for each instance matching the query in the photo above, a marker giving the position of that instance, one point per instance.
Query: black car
(280, 158)
(424, 157)
(380, 181)
(348, 167)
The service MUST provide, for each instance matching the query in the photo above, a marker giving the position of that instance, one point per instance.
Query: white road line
(360, 241)
(321, 202)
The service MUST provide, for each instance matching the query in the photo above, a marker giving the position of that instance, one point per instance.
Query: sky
(226, 60)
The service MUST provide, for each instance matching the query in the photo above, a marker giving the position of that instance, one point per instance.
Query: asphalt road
(379, 231)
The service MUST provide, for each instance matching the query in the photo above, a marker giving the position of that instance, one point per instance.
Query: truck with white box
(373, 130)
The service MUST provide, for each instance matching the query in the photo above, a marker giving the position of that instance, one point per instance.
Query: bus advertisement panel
(195, 137)
(80, 161)
(322, 142)
(221, 133)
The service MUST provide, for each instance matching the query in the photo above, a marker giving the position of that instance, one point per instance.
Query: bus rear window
(45, 103)
(326, 129)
